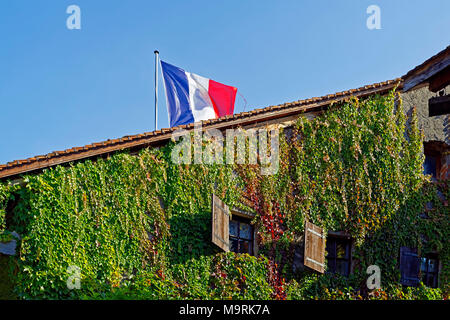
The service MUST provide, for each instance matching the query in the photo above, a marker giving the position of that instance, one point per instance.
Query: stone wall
(433, 127)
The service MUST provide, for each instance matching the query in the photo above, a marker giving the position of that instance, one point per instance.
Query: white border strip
(316, 233)
(314, 261)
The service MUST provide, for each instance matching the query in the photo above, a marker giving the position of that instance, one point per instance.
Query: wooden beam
(424, 75)
(438, 106)
(440, 80)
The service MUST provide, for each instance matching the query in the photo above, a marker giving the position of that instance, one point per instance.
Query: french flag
(192, 98)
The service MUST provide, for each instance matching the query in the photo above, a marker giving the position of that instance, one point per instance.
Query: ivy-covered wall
(140, 226)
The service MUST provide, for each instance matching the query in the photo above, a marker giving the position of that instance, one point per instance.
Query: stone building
(426, 88)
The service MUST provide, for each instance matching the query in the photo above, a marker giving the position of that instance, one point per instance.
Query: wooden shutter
(409, 266)
(314, 256)
(220, 224)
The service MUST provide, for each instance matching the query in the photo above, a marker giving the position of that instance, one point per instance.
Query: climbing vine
(3, 201)
(140, 226)
(357, 169)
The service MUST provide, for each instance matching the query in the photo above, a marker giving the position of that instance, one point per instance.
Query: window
(429, 268)
(338, 255)
(430, 166)
(241, 235)
(433, 154)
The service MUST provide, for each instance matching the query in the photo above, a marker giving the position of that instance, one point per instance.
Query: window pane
(244, 246)
(331, 248)
(245, 231)
(429, 165)
(429, 280)
(432, 265)
(234, 225)
(423, 264)
(426, 280)
(234, 245)
(341, 250)
(434, 282)
(342, 267)
(331, 265)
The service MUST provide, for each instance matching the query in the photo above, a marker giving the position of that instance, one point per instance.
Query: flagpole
(156, 88)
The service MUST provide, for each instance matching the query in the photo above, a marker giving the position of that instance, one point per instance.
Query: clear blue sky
(62, 88)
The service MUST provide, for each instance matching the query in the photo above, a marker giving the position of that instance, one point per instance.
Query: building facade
(314, 248)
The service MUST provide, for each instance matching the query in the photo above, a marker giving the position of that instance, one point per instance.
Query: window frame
(432, 150)
(348, 241)
(424, 275)
(243, 219)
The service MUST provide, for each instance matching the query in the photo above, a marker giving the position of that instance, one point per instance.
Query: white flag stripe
(201, 104)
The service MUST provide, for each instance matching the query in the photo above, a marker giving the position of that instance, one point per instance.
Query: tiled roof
(157, 137)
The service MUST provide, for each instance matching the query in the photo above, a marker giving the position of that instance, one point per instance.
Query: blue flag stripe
(177, 93)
